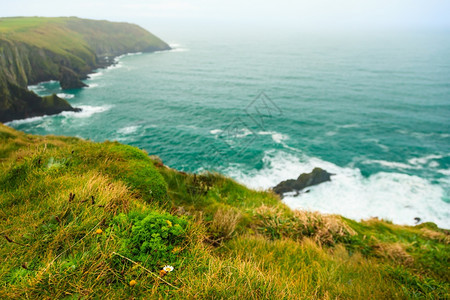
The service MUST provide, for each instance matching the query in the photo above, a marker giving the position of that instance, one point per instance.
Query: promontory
(67, 49)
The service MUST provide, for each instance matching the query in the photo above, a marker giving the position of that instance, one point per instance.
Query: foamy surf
(174, 48)
(216, 131)
(128, 130)
(25, 121)
(95, 75)
(65, 96)
(118, 58)
(116, 65)
(393, 196)
(86, 111)
(232, 134)
(36, 88)
(416, 163)
(276, 136)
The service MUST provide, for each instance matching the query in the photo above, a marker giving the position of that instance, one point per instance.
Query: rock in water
(69, 79)
(317, 176)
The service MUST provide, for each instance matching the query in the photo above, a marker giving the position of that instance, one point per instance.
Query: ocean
(373, 109)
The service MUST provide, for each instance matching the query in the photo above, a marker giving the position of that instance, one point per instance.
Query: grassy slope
(50, 35)
(75, 36)
(224, 240)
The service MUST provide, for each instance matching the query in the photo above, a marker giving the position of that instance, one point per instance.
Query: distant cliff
(38, 49)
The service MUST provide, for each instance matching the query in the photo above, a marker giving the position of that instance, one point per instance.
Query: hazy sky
(262, 14)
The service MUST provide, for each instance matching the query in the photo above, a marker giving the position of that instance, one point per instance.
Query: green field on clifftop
(69, 35)
(82, 220)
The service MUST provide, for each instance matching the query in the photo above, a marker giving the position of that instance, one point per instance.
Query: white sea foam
(65, 96)
(133, 53)
(175, 48)
(349, 126)
(276, 136)
(391, 164)
(117, 58)
(179, 50)
(433, 164)
(93, 85)
(36, 88)
(422, 134)
(445, 172)
(86, 111)
(24, 121)
(128, 130)
(95, 75)
(393, 196)
(242, 133)
(416, 163)
(424, 160)
(216, 131)
(116, 65)
(238, 133)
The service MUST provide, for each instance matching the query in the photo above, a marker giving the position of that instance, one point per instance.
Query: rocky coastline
(70, 49)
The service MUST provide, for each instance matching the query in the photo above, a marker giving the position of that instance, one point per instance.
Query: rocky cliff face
(18, 103)
(64, 49)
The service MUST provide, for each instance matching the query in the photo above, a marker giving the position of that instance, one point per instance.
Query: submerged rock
(317, 176)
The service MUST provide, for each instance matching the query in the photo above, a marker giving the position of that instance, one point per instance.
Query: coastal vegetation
(85, 220)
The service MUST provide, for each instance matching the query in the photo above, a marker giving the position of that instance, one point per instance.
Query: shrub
(154, 238)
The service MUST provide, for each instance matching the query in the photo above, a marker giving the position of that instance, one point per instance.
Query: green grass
(48, 33)
(77, 38)
(82, 220)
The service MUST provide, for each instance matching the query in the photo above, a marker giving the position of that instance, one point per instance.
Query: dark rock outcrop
(68, 79)
(21, 103)
(317, 176)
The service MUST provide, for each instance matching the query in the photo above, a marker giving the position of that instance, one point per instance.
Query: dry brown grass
(325, 229)
(224, 224)
(393, 251)
(434, 235)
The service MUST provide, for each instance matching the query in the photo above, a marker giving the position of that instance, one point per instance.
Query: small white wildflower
(168, 268)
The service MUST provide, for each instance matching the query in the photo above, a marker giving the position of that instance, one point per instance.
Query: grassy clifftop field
(100, 220)
(35, 49)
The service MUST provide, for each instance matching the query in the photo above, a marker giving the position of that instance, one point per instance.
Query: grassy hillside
(35, 49)
(100, 220)
(79, 37)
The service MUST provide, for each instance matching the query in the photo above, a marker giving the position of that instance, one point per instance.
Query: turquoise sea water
(374, 110)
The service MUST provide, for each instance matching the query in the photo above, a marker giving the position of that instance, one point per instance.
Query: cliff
(38, 49)
(101, 220)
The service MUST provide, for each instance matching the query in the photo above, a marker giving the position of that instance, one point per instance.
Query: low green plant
(153, 238)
